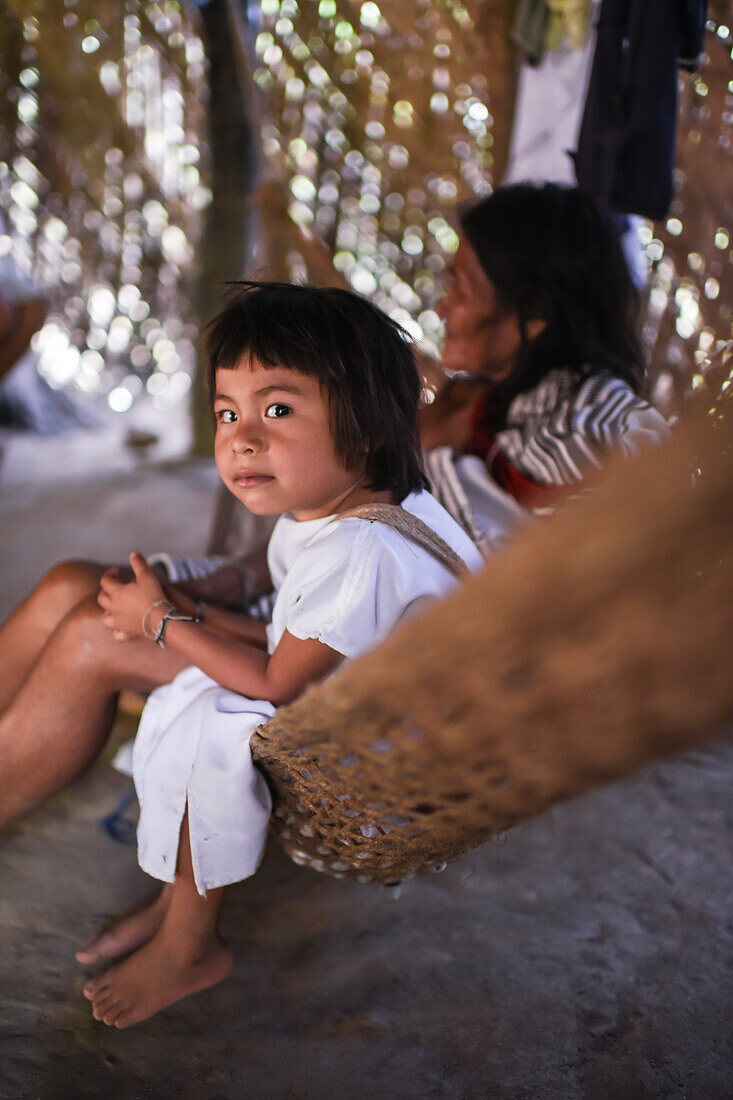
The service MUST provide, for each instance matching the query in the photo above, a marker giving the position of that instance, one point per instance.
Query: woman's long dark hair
(551, 252)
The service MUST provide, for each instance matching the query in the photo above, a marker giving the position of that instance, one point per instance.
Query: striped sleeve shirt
(560, 432)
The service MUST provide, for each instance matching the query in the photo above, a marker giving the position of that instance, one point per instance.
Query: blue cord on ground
(120, 828)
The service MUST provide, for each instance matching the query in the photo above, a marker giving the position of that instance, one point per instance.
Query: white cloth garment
(548, 112)
(465, 488)
(347, 583)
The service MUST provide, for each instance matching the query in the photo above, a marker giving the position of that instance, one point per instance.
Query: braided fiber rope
(412, 528)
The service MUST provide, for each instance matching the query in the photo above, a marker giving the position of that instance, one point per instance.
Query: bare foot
(129, 933)
(159, 974)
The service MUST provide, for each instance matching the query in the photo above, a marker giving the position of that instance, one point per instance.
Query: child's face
(273, 442)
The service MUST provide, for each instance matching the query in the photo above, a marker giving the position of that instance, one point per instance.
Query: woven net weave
(595, 644)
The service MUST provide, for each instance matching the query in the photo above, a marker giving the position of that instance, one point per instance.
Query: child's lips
(248, 479)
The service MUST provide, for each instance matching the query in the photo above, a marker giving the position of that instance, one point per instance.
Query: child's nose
(248, 436)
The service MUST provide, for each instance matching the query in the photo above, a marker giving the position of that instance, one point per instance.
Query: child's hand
(125, 604)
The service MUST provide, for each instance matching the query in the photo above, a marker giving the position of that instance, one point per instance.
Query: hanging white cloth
(548, 112)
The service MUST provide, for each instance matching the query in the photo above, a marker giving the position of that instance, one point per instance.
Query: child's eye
(277, 410)
(225, 416)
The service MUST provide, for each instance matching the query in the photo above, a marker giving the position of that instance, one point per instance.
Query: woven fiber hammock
(596, 643)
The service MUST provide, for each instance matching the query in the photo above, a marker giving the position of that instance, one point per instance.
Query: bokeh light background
(103, 132)
(373, 122)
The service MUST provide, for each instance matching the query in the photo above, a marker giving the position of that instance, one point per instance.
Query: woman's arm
(233, 584)
(19, 325)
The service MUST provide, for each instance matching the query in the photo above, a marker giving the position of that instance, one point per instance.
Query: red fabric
(525, 490)
(481, 440)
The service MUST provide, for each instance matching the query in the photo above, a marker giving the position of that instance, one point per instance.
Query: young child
(315, 396)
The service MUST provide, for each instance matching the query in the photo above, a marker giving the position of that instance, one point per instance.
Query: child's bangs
(273, 330)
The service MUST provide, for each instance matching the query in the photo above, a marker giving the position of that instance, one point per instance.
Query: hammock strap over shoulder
(412, 528)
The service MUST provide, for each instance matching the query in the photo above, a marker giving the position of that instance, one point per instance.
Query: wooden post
(225, 245)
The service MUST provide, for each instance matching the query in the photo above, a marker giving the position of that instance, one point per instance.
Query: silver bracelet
(172, 616)
(158, 603)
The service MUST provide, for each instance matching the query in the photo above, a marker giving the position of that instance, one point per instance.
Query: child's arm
(279, 677)
(228, 624)
(234, 664)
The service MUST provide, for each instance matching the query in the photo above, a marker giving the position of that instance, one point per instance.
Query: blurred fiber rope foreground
(596, 643)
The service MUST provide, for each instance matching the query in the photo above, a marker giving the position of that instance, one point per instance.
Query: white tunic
(346, 583)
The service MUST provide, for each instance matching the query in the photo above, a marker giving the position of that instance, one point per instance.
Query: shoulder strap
(412, 528)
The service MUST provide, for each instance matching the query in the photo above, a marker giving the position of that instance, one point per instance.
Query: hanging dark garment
(626, 144)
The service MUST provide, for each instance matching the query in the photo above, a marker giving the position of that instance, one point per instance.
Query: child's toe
(111, 1014)
(93, 988)
(100, 1005)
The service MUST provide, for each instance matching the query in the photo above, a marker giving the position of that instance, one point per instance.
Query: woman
(540, 340)
(541, 336)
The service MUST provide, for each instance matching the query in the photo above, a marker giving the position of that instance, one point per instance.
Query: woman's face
(480, 336)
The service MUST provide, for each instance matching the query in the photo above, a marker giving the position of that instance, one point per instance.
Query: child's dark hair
(552, 252)
(358, 354)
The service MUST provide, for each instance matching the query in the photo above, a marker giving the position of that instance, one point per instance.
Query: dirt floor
(586, 954)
